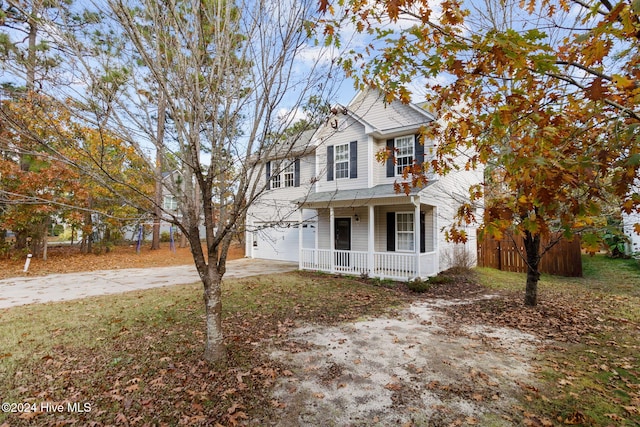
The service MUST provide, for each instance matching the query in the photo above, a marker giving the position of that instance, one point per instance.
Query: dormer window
(405, 153)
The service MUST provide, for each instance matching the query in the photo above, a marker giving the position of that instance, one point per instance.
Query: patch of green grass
(138, 356)
(595, 382)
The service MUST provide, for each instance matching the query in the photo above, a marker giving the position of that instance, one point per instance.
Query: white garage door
(276, 242)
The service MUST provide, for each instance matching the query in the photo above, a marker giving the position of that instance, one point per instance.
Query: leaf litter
(407, 369)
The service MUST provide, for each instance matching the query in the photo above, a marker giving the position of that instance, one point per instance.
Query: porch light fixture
(357, 218)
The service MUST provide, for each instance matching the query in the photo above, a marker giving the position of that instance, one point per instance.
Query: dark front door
(342, 240)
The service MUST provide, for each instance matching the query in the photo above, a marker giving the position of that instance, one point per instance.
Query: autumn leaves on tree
(544, 93)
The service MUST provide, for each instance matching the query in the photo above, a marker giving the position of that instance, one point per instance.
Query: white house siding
(628, 221)
(275, 204)
(359, 229)
(449, 192)
(271, 221)
(381, 224)
(371, 106)
(380, 169)
(348, 130)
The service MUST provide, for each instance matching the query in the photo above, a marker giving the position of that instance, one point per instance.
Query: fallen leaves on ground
(69, 259)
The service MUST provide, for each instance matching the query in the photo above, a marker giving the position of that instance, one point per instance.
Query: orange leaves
(596, 91)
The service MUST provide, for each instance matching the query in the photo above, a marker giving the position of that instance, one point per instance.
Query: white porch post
(332, 234)
(436, 241)
(300, 253)
(416, 231)
(371, 242)
(315, 238)
(250, 237)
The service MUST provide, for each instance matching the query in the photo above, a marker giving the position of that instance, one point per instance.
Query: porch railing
(386, 265)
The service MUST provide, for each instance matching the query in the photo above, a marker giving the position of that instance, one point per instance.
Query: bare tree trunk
(215, 349)
(532, 249)
(86, 246)
(162, 107)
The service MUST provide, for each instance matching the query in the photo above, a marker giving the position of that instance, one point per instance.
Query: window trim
(276, 181)
(347, 161)
(398, 169)
(289, 175)
(169, 202)
(412, 233)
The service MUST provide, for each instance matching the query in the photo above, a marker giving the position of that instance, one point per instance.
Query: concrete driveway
(61, 287)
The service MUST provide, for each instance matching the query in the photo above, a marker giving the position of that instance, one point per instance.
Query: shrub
(440, 280)
(418, 285)
(165, 236)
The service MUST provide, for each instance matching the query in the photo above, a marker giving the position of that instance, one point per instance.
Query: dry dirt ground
(417, 368)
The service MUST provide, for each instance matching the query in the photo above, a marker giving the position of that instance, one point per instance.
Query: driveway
(61, 287)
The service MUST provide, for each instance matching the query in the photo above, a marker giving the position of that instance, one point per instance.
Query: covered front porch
(384, 265)
(375, 234)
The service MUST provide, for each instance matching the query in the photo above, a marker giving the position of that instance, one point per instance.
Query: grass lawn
(135, 359)
(593, 377)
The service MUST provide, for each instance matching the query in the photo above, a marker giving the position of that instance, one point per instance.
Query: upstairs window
(276, 181)
(404, 153)
(169, 203)
(342, 161)
(289, 174)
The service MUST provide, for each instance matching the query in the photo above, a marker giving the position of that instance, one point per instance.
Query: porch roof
(357, 197)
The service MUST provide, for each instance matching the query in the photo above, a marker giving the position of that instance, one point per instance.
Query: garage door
(276, 242)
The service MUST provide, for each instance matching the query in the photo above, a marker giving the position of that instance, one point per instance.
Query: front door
(342, 240)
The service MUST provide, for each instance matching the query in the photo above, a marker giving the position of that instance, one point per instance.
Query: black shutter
(353, 159)
(391, 231)
(330, 163)
(268, 175)
(423, 242)
(419, 150)
(392, 154)
(296, 173)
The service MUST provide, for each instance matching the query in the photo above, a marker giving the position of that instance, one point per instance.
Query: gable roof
(384, 119)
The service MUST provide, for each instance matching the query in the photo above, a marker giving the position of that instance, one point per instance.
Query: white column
(300, 223)
(332, 238)
(436, 241)
(315, 237)
(371, 241)
(416, 231)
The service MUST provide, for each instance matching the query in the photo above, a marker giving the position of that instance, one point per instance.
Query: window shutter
(419, 150)
(353, 159)
(390, 165)
(296, 173)
(391, 231)
(330, 163)
(268, 175)
(423, 242)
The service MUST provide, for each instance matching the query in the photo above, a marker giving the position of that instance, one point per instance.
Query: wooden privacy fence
(564, 259)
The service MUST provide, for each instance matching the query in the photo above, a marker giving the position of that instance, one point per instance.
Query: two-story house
(331, 206)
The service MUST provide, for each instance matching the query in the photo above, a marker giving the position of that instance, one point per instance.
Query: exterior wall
(449, 192)
(628, 221)
(372, 107)
(360, 229)
(276, 204)
(348, 130)
(380, 169)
